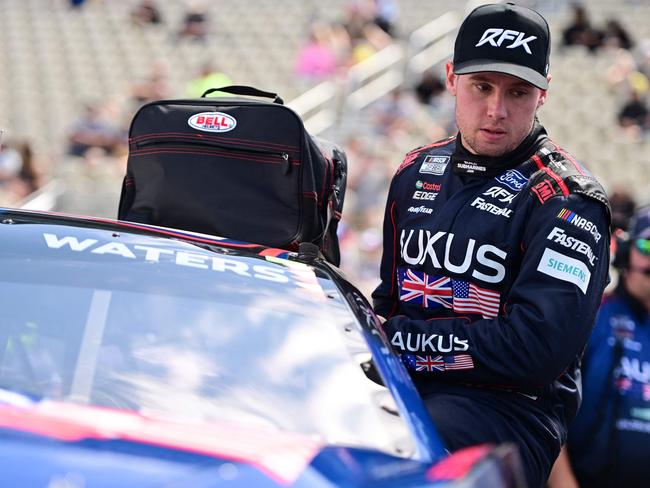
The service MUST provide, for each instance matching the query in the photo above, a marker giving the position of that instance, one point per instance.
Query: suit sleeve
(549, 311)
(384, 297)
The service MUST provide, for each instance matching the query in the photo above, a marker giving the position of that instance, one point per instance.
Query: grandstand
(58, 59)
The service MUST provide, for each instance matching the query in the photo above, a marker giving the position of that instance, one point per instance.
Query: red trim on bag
(173, 150)
(552, 174)
(223, 140)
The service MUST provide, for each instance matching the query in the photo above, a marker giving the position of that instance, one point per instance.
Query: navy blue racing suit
(492, 272)
(609, 441)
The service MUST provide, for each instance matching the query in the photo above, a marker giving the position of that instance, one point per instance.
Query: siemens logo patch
(580, 222)
(564, 268)
(513, 179)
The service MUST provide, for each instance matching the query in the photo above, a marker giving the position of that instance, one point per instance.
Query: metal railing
(324, 106)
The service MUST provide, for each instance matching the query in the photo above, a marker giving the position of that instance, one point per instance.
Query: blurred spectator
(316, 60)
(386, 15)
(18, 174)
(195, 23)
(429, 87)
(609, 440)
(365, 37)
(146, 13)
(154, 87)
(623, 204)
(615, 35)
(393, 115)
(95, 130)
(580, 31)
(208, 77)
(634, 117)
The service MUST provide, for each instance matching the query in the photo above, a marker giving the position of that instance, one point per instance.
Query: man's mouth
(493, 134)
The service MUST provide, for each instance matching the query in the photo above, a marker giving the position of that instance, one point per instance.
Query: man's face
(637, 282)
(494, 111)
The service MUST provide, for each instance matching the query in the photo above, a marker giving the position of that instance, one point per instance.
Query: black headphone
(620, 246)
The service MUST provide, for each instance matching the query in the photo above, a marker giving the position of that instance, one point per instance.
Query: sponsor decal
(212, 122)
(424, 195)
(429, 363)
(471, 167)
(580, 222)
(417, 247)
(429, 291)
(513, 179)
(420, 209)
(176, 257)
(491, 208)
(434, 291)
(500, 194)
(543, 190)
(423, 185)
(437, 363)
(420, 342)
(496, 36)
(564, 268)
(558, 236)
(635, 369)
(434, 165)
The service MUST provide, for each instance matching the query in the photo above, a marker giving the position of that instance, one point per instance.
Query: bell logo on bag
(212, 122)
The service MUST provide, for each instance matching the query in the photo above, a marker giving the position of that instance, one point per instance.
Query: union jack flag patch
(429, 291)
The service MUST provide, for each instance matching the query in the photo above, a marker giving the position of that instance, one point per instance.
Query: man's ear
(544, 94)
(450, 78)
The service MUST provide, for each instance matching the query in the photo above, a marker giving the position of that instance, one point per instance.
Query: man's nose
(497, 106)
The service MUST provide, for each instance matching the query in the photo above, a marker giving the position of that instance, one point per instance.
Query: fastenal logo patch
(513, 179)
(564, 268)
(434, 165)
(212, 122)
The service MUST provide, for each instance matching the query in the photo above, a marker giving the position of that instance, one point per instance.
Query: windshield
(165, 328)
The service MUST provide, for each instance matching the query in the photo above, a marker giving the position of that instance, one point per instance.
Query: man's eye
(482, 87)
(519, 93)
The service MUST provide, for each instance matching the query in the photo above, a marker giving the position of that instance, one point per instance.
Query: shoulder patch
(558, 175)
(411, 156)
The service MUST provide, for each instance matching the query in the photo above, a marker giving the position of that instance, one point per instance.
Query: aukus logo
(418, 247)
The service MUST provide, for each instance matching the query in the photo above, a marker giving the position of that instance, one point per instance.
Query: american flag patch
(458, 361)
(470, 298)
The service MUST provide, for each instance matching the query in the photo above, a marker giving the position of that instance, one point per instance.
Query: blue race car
(134, 355)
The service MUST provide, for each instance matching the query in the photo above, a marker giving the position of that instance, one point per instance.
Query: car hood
(51, 443)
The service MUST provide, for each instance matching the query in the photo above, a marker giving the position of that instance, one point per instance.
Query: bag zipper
(286, 164)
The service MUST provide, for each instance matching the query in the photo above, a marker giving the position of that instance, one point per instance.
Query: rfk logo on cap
(505, 35)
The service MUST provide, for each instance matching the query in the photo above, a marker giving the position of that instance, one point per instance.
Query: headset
(620, 249)
(622, 241)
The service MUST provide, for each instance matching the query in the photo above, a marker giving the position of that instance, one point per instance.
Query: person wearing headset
(609, 441)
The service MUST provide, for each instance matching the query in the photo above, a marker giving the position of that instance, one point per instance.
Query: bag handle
(247, 91)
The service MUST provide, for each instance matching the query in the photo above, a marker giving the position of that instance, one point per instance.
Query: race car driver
(496, 252)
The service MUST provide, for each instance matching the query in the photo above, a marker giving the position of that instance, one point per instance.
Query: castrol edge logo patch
(212, 122)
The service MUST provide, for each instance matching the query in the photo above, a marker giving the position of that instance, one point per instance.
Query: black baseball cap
(504, 38)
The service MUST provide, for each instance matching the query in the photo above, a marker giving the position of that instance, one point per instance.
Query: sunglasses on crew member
(643, 245)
